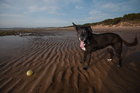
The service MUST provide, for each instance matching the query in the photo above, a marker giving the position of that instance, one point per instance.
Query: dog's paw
(82, 62)
(118, 66)
(109, 59)
(85, 68)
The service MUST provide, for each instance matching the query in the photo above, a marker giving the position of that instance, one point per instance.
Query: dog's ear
(90, 33)
(89, 28)
(76, 27)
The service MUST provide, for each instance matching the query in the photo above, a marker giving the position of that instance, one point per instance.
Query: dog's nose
(81, 38)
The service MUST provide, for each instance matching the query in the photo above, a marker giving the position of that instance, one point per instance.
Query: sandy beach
(55, 57)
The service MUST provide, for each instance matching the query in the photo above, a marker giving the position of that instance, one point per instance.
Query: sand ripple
(55, 59)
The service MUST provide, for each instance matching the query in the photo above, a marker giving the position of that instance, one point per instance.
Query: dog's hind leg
(118, 50)
(120, 58)
(111, 51)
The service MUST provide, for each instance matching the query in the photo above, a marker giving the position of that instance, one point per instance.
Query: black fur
(94, 42)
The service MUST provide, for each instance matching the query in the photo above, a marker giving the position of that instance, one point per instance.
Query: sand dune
(55, 56)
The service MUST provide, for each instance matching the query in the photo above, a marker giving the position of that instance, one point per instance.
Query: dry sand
(55, 56)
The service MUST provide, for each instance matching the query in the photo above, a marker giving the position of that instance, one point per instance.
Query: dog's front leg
(88, 61)
(84, 58)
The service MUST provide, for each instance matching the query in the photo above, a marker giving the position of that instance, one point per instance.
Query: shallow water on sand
(8, 43)
(11, 42)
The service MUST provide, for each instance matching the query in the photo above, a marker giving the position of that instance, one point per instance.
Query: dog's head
(84, 33)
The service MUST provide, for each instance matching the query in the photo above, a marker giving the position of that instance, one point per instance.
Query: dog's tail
(135, 42)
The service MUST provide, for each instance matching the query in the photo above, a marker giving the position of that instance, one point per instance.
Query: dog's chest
(84, 49)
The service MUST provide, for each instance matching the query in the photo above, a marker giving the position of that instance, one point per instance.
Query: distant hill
(132, 19)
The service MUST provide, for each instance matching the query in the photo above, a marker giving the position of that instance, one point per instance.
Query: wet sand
(55, 56)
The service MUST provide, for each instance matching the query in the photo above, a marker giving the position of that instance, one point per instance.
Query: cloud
(111, 6)
(45, 9)
(52, 20)
(57, 21)
(96, 16)
(74, 1)
(95, 12)
(35, 8)
(114, 6)
(78, 7)
(12, 23)
(11, 15)
(4, 5)
(46, 6)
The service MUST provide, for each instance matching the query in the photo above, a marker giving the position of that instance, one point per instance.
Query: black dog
(90, 42)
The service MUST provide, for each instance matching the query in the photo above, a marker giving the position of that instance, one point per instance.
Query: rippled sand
(55, 56)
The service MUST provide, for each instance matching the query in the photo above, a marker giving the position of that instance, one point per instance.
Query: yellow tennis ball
(29, 73)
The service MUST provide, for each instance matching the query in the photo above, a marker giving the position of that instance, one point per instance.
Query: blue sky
(56, 13)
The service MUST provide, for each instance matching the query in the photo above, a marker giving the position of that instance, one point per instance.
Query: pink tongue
(82, 44)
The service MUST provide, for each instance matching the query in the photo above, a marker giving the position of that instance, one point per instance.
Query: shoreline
(99, 29)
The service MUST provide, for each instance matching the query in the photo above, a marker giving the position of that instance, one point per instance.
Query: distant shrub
(130, 17)
(3, 33)
(126, 17)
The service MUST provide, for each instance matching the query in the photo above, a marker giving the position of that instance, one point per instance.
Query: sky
(59, 13)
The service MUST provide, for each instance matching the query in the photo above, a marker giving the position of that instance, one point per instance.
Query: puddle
(11, 42)
(8, 43)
